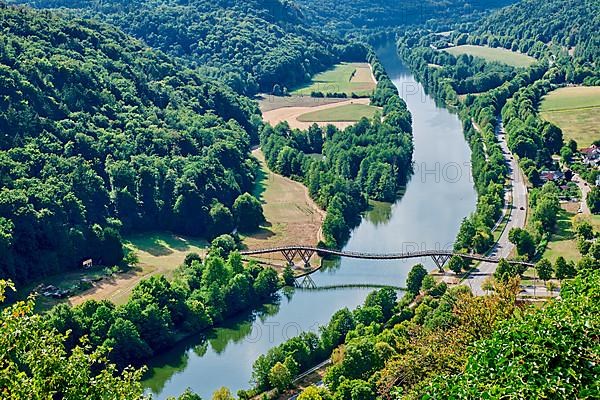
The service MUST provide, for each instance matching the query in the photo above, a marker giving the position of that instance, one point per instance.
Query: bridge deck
(380, 256)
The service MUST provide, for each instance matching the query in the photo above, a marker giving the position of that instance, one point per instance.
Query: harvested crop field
(292, 114)
(292, 216)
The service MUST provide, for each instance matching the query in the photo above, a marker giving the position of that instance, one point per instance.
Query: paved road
(585, 190)
(518, 192)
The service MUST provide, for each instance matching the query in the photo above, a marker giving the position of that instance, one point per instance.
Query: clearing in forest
(343, 78)
(348, 112)
(576, 110)
(293, 114)
(563, 242)
(159, 253)
(292, 216)
(497, 54)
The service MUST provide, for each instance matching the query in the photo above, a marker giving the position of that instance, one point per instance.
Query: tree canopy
(99, 136)
(249, 44)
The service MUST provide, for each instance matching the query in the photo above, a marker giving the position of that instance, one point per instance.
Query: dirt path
(291, 114)
(292, 216)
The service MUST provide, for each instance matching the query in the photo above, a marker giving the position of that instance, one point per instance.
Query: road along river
(438, 196)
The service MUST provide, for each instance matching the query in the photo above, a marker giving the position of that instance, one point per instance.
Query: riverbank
(428, 215)
(292, 217)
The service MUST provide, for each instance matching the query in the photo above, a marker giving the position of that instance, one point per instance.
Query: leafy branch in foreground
(35, 364)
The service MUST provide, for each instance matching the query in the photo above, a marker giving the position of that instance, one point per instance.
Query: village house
(591, 155)
(551, 176)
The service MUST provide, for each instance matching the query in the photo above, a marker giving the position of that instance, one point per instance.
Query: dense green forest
(250, 45)
(371, 159)
(566, 28)
(102, 135)
(351, 16)
(456, 345)
(159, 312)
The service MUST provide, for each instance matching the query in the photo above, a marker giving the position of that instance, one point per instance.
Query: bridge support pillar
(306, 255)
(305, 282)
(289, 255)
(440, 261)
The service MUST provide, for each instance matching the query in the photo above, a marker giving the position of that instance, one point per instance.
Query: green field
(493, 54)
(576, 110)
(350, 112)
(563, 242)
(340, 79)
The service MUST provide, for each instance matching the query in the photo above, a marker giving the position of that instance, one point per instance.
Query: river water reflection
(438, 196)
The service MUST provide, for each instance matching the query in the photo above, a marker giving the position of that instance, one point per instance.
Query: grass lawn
(563, 242)
(343, 78)
(576, 110)
(159, 253)
(350, 112)
(493, 54)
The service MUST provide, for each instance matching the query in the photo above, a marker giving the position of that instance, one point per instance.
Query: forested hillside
(570, 25)
(249, 44)
(448, 344)
(100, 134)
(352, 15)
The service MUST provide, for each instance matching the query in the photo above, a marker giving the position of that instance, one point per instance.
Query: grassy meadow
(292, 217)
(350, 112)
(343, 78)
(493, 54)
(576, 110)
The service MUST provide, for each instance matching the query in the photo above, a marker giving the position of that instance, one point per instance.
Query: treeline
(539, 28)
(249, 45)
(99, 136)
(479, 115)
(452, 344)
(282, 363)
(160, 311)
(38, 364)
(488, 165)
(356, 16)
(529, 137)
(445, 75)
(369, 159)
(427, 333)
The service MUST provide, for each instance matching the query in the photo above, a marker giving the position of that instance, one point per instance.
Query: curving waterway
(438, 196)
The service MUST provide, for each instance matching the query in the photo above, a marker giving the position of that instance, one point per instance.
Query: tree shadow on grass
(163, 244)
(564, 227)
(261, 184)
(262, 233)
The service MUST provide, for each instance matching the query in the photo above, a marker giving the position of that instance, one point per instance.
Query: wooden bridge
(439, 257)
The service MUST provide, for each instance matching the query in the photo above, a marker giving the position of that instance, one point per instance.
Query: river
(438, 196)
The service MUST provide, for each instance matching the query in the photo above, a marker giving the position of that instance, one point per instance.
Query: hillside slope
(99, 133)
(569, 24)
(250, 44)
(352, 15)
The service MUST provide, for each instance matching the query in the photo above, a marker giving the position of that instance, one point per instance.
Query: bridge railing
(379, 256)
